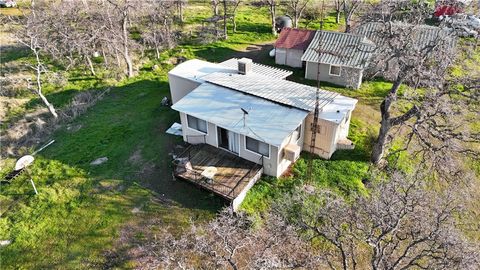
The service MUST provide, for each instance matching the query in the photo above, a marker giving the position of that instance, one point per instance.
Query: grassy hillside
(91, 216)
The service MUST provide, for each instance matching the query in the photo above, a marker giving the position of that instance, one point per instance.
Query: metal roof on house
(259, 69)
(266, 121)
(423, 34)
(281, 91)
(291, 38)
(342, 49)
(195, 69)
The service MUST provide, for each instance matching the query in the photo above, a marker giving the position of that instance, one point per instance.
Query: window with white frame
(257, 147)
(197, 124)
(335, 70)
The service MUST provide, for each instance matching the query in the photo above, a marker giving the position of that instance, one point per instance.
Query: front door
(228, 140)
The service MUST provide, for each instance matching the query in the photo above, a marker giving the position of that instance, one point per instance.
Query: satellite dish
(24, 162)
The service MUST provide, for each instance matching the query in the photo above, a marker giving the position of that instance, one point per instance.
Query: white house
(252, 112)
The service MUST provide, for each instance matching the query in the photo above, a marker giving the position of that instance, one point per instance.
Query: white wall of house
(289, 57)
(270, 164)
(349, 77)
(326, 140)
(283, 163)
(179, 87)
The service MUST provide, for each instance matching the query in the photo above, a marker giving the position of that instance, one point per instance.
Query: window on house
(335, 70)
(257, 146)
(197, 124)
(299, 132)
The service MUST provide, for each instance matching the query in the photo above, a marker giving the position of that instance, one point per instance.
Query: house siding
(349, 77)
(289, 57)
(193, 136)
(283, 164)
(180, 87)
(327, 137)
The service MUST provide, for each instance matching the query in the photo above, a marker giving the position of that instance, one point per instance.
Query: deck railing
(251, 173)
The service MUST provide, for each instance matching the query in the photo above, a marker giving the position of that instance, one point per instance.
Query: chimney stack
(245, 66)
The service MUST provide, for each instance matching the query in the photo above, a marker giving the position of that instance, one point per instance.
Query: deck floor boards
(233, 173)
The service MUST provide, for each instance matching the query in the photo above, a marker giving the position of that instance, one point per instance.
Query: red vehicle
(445, 10)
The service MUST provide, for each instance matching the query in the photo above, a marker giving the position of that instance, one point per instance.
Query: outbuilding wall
(349, 77)
(289, 57)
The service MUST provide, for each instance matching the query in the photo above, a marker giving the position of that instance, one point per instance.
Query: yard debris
(165, 102)
(175, 129)
(99, 161)
(136, 210)
(183, 165)
(5, 242)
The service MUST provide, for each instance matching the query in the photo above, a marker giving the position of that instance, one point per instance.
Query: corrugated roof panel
(280, 91)
(260, 69)
(423, 34)
(341, 49)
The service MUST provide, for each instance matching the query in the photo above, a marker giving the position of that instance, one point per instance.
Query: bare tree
(215, 7)
(297, 7)
(312, 13)
(29, 31)
(230, 242)
(116, 17)
(180, 6)
(349, 9)
(157, 31)
(401, 224)
(272, 8)
(338, 10)
(416, 58)
(233, 12)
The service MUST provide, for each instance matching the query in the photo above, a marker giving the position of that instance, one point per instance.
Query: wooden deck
(232, 172)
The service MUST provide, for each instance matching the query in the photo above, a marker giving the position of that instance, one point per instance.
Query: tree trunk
(225, 34)
(126, 53)
(337, 17)
(378, 151)
(272, 17)
(234, 22)
(180, 11)
(90, 65)
(39, 86)
(129, 63)
(50, 107)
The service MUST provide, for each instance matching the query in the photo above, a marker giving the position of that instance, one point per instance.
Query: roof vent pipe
(245, 66)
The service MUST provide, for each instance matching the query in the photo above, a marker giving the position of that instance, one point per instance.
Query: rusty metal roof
(294, 38)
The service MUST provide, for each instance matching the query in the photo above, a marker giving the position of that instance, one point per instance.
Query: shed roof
(343, 49)
(280, 91)
(259, 69)
(423, 34)
(294, 38)
(266, 121)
